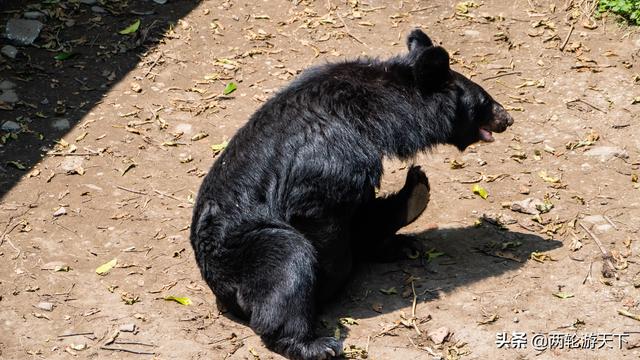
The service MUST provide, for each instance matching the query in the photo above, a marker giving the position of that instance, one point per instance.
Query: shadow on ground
(53, 95)
(467, 255)
(462, 256)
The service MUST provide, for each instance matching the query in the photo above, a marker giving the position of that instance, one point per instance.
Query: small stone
(60, 212)
(98, 9)
(472, 33)
(9, 51)
(46, 306)
(128, 327)
(439, 335)
(33, 15)
(88, 2)
(527, 206)
(61, 124)
(161, 2)
(603, 228)
(9, 96)
(606, 153)
(23, 31)
(10, 126)
(6, 85)
(78, 347)
(524, 190)
(135, 87)
(71, 164)
(184, 128)
(516, 320)
(594, 220)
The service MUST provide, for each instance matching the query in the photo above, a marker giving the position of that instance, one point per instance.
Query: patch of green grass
(628, 9)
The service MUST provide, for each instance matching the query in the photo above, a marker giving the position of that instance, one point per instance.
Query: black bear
(291, 199)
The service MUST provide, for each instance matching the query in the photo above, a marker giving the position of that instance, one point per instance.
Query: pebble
(603, 228)
(60, 212)
(599, 223)
(184, 128)
(594, 219)
(6, 85)
(439, 335)
(606, 153)
(135, 87)
(61, 124)
(472, 33)
(9, 96)
(128, 327)
(33, 15)
(88, 2)
(23, 31)
(527, 206)
(98, 9)
(71, 163)
(9, 51)
(10, 126)
(46, 306)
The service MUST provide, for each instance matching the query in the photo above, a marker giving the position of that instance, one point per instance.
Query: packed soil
(536, 233)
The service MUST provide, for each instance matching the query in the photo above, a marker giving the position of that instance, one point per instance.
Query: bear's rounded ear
(431, 70)
(417, 39)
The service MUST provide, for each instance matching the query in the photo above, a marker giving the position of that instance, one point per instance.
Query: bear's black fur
(285, 207)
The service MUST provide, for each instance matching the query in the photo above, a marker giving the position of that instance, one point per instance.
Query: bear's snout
(501, 119)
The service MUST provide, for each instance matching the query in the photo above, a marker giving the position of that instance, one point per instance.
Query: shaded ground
(130, 164)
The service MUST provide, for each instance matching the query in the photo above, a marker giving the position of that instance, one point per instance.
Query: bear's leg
(377, 221)
(275, 280)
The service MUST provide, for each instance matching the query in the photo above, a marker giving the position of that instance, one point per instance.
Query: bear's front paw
(418, 191)
(323, 348)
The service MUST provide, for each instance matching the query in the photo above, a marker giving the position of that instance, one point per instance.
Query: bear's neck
(413, 123)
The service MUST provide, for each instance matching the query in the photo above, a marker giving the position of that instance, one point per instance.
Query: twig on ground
(152, 65)
(566, 40)
(610, 222)
(423, 9)
(608, 270)
(503, 74)
(8, 230)
(131, 190)
(55, 153)
(588, 277)
(413, 309)
(15, 248)
(76, 334)
(10, 227)
(349, 31)
(167, 195)
(133, 343)
(425, 348)
(629, 315)
(127, 350)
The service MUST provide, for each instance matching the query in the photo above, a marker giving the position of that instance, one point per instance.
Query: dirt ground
(114, 141)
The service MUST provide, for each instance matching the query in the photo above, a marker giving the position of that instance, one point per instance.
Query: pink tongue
(485, 135)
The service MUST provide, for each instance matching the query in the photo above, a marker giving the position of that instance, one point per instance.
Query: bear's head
(477, 114)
